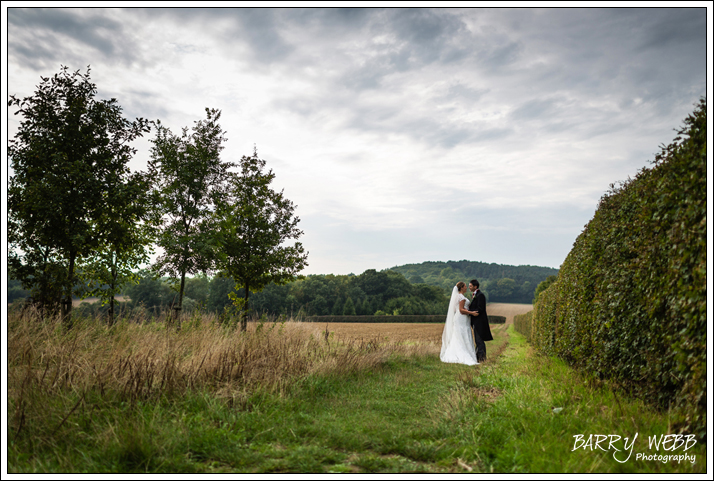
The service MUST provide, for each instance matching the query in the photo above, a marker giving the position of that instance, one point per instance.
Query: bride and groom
(457, 341)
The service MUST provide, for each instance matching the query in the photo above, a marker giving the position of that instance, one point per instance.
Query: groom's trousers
(480, 346)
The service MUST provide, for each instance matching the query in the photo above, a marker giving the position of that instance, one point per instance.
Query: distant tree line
(370, 293)
(500, 283)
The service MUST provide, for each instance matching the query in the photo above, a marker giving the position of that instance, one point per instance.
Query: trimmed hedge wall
(425, 318)
(522, 323)
(629, 303)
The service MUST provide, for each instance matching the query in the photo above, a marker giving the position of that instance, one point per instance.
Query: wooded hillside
(500, 283)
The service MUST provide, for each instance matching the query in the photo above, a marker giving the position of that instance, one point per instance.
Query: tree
(69, 149)
(337, 307)
(151, 293)
(543, 286)
(253, 223)
(506, 287)
(219, 289)
(189, 178)
(349, 309)
(15, 290)
(197, 288)
(126, 243)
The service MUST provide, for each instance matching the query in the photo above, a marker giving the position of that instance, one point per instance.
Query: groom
(479, 320)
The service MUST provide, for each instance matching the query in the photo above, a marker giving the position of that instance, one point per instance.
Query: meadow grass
(139, 398)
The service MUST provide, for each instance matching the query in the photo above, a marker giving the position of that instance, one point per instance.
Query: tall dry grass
(53, 371)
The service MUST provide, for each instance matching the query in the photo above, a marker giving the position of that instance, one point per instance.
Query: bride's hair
(460, 285)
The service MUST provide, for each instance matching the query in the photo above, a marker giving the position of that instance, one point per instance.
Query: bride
(457, 343)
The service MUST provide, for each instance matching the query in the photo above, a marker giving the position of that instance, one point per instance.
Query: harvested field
(92, 300)
(399, 332)
(392, 332)
(387, 332)
(507, 310)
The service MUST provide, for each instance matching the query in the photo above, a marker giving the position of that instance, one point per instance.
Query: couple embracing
(457, 341)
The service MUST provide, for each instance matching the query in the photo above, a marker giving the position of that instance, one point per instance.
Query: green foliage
(69, 158)
(500, 283)
(416, 279)
(314, 295)
(15, 290)
(523, 323)
(502, 288)
(253, 223)
(543, 286)
(150, 292)
(218, 289)
(338, 307)
(349, 309)
(629, 303)
(370, 292)
(126, 243)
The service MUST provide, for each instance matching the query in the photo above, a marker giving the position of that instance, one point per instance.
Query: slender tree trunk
(44, 297)
(67, 305)
(244, 314)
(111, 290)
(177, 310)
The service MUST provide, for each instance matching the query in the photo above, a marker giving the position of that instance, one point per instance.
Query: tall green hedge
(629, 303)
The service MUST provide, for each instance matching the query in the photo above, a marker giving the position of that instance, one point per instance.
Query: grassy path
(405, 417)
(516, 413)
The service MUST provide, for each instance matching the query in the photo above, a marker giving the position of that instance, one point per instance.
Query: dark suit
(482, 331)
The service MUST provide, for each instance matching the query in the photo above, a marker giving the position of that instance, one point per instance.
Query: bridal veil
(448, 333)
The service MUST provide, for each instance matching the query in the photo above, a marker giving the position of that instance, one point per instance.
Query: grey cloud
(34, 30)
(677, 28)
(487, 134)
(534, 109)
(417, 37)
(38, 53)
(299, 106)
(500, 56)
(366, 77)
(330, 18)
(259, 28)
(625, 52)
(135, 105)
(586, 53)
(427, 32)
(431, 130)
(461, 92)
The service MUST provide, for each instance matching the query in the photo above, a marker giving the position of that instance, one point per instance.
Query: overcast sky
(401, 135)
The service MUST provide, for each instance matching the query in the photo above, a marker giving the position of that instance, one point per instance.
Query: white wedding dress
(457, 342)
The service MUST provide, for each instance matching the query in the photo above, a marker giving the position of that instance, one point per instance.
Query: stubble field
(412, 332)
